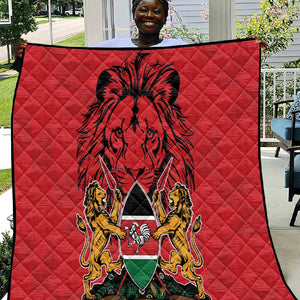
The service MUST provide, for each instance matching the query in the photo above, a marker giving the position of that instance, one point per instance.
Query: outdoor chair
(287, 130)
(292, 179)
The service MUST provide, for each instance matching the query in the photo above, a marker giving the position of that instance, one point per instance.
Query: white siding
(122, 18)
(191, 12)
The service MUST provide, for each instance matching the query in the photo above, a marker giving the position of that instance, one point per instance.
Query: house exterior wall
(122, 17)
(93, 22)
(100, 15)
(192, 13)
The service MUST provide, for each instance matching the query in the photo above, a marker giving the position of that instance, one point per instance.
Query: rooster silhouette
(139, 239)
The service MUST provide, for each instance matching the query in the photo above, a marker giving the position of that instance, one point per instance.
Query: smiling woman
(150, 16)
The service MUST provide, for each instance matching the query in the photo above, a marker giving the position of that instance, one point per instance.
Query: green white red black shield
(139, 250)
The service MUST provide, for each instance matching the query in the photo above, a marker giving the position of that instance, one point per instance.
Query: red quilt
(137, 175)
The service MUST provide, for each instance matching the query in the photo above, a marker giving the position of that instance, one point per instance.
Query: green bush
(7, 88)
(274, 24)
(5, 180)
(23, 23)
(6, 247)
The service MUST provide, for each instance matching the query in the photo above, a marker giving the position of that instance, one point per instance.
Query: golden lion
(102, 225)
(176, 224)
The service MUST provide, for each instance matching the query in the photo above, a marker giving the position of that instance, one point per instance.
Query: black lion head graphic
(136, 126)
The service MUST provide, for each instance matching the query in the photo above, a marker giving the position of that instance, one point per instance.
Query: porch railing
(276, 84)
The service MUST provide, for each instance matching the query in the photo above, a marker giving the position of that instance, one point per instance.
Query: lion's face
(135, 137)
(179, 197)
(100, 197)
(136, 126)
(174, 198)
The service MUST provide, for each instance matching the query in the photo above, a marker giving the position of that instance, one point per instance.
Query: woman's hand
(20, 48)
(263, 44)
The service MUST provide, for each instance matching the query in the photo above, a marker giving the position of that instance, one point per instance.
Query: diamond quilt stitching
(218, 94)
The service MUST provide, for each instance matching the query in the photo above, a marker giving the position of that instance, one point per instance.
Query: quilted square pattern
(137, 175)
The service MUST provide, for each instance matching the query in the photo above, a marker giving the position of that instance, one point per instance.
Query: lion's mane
(89, 201)
(185, 203)
(136, 78)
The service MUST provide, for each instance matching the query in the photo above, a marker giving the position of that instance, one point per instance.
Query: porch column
(221, 20)
(94, 22)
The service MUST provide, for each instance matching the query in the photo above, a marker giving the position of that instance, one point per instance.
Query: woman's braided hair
(164, 3)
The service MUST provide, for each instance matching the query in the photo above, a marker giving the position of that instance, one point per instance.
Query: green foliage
(23, 22)
(7, 88)
(108, 287)
(292, 64)
(5, 66)
(4, 10)
(65, 3)
(42, 21)
(274, 25)
(61, 2)
(177, 290)
(74, 41)
(6, 247)
(5, 180)
(77, 3)
(130, 291)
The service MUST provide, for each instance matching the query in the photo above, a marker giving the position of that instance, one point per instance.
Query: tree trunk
(8, 54)
(63, 9)
(13, 49)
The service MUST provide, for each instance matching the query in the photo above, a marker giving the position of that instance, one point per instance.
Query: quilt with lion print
(137, 175)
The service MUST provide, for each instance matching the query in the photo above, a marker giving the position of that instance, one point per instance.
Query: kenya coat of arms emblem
(139, 250)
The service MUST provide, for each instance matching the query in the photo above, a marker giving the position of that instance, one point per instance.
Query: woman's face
(149, 16)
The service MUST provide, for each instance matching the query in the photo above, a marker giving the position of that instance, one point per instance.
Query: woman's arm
(19, 54)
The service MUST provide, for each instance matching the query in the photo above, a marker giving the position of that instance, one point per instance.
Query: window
(5, 12)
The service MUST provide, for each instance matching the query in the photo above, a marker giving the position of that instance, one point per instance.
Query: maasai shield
(139, 250)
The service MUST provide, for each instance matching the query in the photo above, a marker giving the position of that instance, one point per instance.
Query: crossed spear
(161, 184)
(111, 182)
